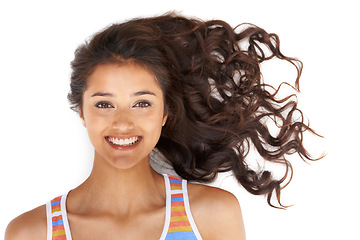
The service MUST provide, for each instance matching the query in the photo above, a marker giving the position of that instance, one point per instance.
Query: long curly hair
(216, 100)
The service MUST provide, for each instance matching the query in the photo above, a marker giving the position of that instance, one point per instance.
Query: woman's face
(123, 111)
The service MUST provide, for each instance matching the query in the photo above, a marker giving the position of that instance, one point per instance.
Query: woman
(192, 92)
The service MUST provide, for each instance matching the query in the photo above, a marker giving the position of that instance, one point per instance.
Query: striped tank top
(179, 223)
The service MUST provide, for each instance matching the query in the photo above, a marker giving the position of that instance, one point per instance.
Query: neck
(107, 186)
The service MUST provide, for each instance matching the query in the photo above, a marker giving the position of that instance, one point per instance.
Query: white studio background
(45, 151)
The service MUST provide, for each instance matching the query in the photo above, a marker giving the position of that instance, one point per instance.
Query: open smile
(123, 143)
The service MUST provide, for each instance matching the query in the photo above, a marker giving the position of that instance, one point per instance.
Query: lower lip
(119, 147)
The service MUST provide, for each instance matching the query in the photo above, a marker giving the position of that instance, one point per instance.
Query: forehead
(122, 77)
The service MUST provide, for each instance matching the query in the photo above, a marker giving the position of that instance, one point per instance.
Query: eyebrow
(102, 94)
(140, 93)
(105, 94)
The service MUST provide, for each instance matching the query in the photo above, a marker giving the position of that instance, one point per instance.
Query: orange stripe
(56, 218)
(175, 178)
(58, 227)
(178, 214)
(177, 204)
(178, 195)
(55, 206)
(179, 224)
(61, 237)
(56, 199)
(176, 184)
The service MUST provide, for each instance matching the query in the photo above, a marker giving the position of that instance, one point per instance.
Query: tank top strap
(179, 222)
(182, 224)
(57, 222)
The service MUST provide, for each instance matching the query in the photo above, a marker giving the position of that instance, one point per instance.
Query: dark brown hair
(214, 95)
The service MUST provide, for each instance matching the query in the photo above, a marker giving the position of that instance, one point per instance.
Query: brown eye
(143, 104)
(103, 105)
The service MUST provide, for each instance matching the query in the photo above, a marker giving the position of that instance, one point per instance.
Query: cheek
(152, 124)
(94, 124)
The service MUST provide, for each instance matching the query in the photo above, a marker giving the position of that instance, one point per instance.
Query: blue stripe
(55, 203)
(181, 236)
(58, 222)
(175, 181)
(179, 199)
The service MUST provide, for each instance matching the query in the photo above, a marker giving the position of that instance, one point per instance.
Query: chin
(124, 163)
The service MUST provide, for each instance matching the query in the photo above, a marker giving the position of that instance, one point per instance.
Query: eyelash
(142, 104)
(103, 105)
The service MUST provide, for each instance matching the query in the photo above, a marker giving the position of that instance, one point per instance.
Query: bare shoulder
(29, 225)
(211, 207)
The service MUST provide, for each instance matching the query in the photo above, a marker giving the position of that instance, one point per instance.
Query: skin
(125, 101)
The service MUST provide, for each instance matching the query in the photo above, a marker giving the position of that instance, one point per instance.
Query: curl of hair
(214, 95)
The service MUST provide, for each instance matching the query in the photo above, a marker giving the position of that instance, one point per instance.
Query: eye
(103, 105)
(142, 104)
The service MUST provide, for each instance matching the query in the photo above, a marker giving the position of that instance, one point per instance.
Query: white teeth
(123, 142)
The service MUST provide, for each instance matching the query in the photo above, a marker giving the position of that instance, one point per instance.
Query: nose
(123, 121)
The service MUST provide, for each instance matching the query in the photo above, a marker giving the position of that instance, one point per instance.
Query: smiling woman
(123, 111)
(188, 89)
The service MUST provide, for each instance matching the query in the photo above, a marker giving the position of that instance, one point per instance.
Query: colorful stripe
(58, 230)
(179, 227)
